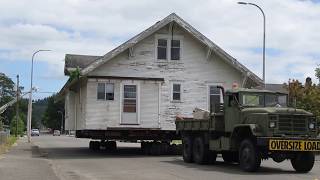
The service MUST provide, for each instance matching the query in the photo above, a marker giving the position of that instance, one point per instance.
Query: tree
(13, 126)
(305, 96)
(52, 118)
(318, 73)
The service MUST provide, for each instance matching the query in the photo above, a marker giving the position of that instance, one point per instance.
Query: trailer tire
(249, 158)
(230, 157)
(91, 145)
(187, 149)
(200, 151)
(212, 157)
(111, 145)
(303, 162)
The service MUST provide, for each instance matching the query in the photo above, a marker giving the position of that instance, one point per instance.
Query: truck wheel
(200, 151)
(230, 157)
(303, 162)
(249, 157)
(187, 149)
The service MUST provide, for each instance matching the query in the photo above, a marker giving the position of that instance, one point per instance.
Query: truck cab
(251, 125)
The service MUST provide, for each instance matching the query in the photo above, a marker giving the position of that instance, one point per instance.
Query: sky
(94, 27)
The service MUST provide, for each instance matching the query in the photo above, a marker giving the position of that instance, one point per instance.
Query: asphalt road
(70, 158)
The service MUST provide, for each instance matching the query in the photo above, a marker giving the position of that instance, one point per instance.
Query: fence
(4, 135)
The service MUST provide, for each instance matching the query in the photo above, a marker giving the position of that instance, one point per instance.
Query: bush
(13, 126)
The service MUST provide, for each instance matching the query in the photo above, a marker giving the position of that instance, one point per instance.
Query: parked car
(35, 132)
(56, 133)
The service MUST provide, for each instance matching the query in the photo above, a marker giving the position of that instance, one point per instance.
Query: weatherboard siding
(101, 114)
(194, 72)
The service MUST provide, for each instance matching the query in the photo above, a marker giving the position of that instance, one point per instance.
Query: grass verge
(10, 141)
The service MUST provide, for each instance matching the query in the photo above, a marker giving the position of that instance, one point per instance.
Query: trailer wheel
(212, 157)
(91, 145)
(303, 162)
(249, 156)
(111, 145)
(187, 149)
(200, 151)
(230, 157)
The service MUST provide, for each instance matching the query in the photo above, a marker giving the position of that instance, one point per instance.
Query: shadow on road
(221, 166)
(133, 152)
(86, 153)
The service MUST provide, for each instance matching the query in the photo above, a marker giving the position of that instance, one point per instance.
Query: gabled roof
(73, 61)
(187, 27)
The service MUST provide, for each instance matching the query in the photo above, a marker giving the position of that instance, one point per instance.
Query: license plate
(294, 145)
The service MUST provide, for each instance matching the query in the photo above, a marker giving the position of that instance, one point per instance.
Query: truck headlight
(272, 124)
(311, 125)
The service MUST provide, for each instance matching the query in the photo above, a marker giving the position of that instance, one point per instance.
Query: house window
(175, 49)
(162, 49)
(100, 91)
(109, 91)
(176, 92)
(105, 91)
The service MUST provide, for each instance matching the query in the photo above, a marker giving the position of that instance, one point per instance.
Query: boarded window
(130, 98)
(162, 49)
(175, 49)
(109, 91)
(101, 91)
(176, 92)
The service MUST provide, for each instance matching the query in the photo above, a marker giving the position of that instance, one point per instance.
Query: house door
(215, 98)
(129, 104)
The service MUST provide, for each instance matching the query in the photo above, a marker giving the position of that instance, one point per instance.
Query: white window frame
(168, 38)
(105, 91)
(171, 91)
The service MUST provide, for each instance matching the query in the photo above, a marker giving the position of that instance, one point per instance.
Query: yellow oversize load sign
(294, 145)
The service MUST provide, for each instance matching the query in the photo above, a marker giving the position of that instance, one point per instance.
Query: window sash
(175, 50)
(109, 91)
(176, 92)
(101, 91)
(162, 49)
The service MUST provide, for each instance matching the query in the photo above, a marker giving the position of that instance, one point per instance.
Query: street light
(30, 97)
(61, 121)
(264, 39)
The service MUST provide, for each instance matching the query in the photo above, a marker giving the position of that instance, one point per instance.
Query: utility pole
(17, 106)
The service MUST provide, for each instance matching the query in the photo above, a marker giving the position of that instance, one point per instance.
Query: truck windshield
(264, 100)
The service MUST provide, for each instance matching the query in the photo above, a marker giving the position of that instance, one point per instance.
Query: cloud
(95, 27)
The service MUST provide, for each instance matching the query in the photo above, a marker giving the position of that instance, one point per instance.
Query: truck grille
(292, 124)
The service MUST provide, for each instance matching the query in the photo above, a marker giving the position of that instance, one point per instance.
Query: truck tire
(230, 157)
(249, 158)
(187, 149)
(200, 151)
(303, 162)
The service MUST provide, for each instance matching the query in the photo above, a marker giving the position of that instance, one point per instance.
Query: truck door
(232, 113)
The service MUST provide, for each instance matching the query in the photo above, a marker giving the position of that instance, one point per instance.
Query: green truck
(250, 126)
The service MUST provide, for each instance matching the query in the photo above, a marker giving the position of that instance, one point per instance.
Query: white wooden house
(166, 70)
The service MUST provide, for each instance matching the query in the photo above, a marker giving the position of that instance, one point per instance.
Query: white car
(35, 132)
(56, 133)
